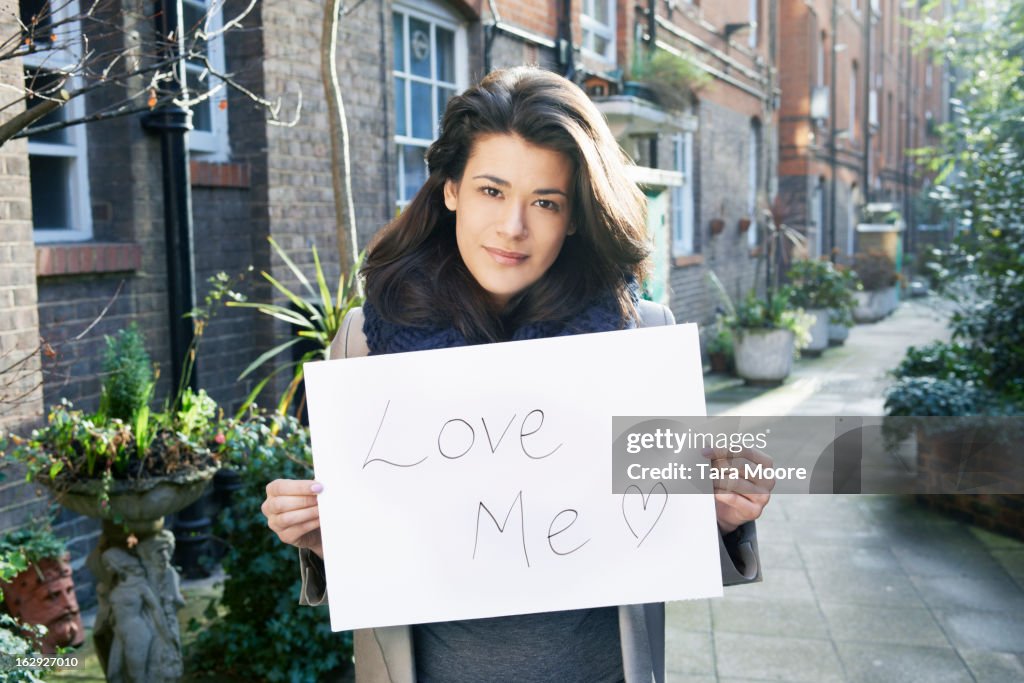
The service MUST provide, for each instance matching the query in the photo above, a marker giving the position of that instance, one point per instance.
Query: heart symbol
(640, 513)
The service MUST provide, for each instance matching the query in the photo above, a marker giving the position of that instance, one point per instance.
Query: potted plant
(671, 79)
(129, 466)
(720, 347)
(822, 292)
(38, 587)
(768, 333)
(877, 295)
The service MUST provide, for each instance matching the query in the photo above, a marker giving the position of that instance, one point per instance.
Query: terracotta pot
(45, 594)
(717, 226)
(719, 362)
(744, 224)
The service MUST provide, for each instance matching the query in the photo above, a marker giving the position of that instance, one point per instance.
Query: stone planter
(837, 334)
(819, 332)
(139, 503)
(45, 594)
(764, 356)
(874, 305)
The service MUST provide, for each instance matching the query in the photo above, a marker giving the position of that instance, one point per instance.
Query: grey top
(575, 645)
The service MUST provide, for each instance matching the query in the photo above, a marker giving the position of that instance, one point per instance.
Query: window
(752, 31)
(753, 176)
(682, 197)
(598, 21)
(855, 6)
(818, 216)
(429, 49)
(57, 159)
(209, 134)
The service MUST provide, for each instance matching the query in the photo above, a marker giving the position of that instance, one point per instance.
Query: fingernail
(316, 488)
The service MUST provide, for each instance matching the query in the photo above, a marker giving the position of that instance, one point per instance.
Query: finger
(280, 504)
(296, 517)
(293, 534)
(741, 486)
(293, 487)
(737, 508)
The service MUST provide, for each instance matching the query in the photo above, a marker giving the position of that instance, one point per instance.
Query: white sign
(477, 482)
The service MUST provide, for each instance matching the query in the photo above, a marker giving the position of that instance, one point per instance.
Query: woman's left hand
(739, 500)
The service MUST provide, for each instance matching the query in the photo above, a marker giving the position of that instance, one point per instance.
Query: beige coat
(385, 655)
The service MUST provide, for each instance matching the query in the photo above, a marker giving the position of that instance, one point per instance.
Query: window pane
(415, 170)
(202, 113)
(600, 44)
(46, 84)
(443, 95)
(601, 11)
(400, 106)
(445, 55)
(398, 41)
(50, 191)
(35, 17)
(193, 18)
(419, 47)
(422, 112)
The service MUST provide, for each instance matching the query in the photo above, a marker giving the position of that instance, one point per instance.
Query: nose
(513, 221)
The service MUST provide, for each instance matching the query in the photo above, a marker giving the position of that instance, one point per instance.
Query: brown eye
(547, 204)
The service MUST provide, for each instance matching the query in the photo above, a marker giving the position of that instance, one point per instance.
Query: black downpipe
(172, 122)
(566, 60)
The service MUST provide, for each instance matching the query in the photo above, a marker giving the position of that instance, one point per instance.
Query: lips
(506, 258)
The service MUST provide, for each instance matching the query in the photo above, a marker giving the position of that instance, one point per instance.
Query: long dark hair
(414, 273)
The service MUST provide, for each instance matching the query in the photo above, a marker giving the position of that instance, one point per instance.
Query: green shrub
(817, 284)
(258, 630)
(942, 360)
(776, 312)
(933, 397)
(127, 373)
(875, 270)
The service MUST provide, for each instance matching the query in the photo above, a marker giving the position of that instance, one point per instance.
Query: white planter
(819, 331)
(837, 333)
(874, 305)
(764, 355)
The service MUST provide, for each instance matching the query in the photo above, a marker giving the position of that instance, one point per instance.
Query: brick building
(708, 166)
(856, 98)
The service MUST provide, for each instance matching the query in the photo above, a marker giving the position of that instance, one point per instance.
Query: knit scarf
(384, 337)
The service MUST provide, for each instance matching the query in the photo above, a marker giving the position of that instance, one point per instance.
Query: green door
(657, 229)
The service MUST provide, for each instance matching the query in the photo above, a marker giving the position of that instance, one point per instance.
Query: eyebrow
(501, 182)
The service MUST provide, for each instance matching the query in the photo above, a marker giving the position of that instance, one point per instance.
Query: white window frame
(436, 15)
(682, 196)
(607, 31)
(818, 216)
(855, 6)
(821, 59)
(215, 144)
(76, 146)
(752, 7)
(753, 174)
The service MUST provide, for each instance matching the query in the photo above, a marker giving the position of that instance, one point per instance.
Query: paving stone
(991, 594)
(996, 541)
(674, 677)
(994, 667)
(880, 663)
(1013, 562)
(861, 587)
(779, 555)
(768, 618)
(689, 653)
(839, 555)
(688, 615)
(795, 660)
(978, 630)
(950, 552)
(777, 584)
(898, 626)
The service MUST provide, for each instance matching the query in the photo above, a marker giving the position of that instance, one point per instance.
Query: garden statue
(156, 552)
(142, 647)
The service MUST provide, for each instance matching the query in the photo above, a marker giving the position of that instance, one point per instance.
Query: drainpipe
(172, 122)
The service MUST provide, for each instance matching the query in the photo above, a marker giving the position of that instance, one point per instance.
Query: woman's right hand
(292, 513)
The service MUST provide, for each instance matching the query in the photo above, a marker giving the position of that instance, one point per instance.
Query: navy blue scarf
(383, 336)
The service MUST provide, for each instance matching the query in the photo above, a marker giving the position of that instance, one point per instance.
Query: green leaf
(295, 269)
(267, 355)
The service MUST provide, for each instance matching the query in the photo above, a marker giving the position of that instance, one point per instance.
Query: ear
(571, 230)
(451, 194)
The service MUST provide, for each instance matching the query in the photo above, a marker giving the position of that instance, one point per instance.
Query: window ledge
(87, 257)
(219, 174)
(689, 260)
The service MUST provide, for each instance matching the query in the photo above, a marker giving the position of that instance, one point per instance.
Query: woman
(527, 227)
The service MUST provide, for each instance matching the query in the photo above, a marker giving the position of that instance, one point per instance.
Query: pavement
(857, 588)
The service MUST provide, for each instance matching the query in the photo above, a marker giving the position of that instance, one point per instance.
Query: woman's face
(512, 213)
